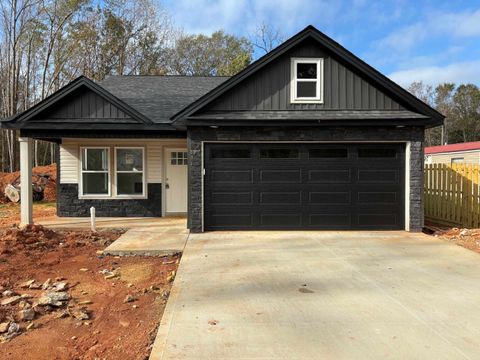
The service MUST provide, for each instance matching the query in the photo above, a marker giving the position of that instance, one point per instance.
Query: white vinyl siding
(469, 157)
(154, 163)
(69, 163)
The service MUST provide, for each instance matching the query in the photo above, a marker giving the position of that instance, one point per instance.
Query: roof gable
(352, 71)
(81, 101)
(269, 88)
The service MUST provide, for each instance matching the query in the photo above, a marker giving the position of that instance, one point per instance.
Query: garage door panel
(230, 220)
(331, 221)
(231, 198)
(378, 176)
(329, 198)
(330, 176)
(378, 197)
(281, 176)
(232, 176)
(280, 220)
(377, 220)
(280, 198)
(325, 187)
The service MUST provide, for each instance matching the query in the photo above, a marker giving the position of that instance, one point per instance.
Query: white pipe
(92, 219)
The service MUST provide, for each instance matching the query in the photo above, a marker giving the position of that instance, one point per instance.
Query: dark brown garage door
(304, 186)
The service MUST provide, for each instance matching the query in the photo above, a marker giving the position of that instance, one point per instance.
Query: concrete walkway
(83, 223)
(164, 237)
(322, 295)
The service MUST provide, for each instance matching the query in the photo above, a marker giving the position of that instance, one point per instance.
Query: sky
(433, 41)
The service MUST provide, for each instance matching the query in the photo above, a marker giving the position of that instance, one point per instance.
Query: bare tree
(265, 38)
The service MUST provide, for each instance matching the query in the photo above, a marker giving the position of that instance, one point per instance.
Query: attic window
(307, 80)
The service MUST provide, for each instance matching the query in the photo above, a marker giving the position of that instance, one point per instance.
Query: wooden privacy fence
(452, 194)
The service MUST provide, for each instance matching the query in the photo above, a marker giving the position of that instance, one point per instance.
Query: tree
(444, 104)
(219, 54)
(426, 93)
(265, 38)
(466, 111)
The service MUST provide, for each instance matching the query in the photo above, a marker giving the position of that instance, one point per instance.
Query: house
(307, 137)
(463, 153)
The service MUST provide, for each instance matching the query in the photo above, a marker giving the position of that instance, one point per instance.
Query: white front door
(176, 180)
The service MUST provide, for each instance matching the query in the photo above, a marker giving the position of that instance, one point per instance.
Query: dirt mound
(50, 189)
(36, 238)
(31, 237)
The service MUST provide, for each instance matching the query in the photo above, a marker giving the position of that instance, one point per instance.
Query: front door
(176, 180)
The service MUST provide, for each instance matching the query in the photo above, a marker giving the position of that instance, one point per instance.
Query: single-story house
(462, 153)
(306, 137)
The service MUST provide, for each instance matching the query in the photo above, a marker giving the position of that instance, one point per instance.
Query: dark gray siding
(196, 135)
(269, 88)
(84, 104)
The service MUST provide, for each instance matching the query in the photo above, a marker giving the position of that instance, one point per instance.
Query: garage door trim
(406, 166)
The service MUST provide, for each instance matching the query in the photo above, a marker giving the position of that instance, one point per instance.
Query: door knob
(167, 186)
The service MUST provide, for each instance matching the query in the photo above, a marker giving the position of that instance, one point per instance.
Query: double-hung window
(307, 80)
(129, 171)
(95, 174)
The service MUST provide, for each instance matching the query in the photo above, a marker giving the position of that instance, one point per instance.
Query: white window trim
(81, 195)
(319, 80)
(114, 178)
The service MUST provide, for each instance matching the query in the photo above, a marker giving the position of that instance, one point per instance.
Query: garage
(304, 186)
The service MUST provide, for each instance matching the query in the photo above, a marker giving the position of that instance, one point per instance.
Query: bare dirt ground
(93, 307)
(468, 238)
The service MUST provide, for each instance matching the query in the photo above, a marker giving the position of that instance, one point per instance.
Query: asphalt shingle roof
(160, 97)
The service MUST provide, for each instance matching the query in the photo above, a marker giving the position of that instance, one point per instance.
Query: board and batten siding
(70, 156)
(269, 88)
(469, 157)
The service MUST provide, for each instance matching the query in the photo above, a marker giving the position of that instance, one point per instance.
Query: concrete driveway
(322, 295)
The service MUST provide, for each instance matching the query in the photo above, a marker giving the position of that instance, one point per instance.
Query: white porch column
(26, 195)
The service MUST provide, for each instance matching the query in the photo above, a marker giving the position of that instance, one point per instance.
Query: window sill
(118, 197)
(306, 101)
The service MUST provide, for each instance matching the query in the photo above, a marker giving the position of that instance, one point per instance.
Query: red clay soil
(468, 238)
(97, 285)
(10, 212)
(50, 189)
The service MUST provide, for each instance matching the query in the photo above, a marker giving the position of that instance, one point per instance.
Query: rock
(83, 269)
(62, 314)
(26, 296)
(53, 298)
(8, 293)
(26, 284)
(171, 276)
(4, 327)
(35, 286)
(11, 300)
(60, 286)
(79, 314)
(110, 276)
(73, 338)
(135, 306)
(13, 328)
(24, 305)
(30, 326)
(85, 302)
(59, 278)
(464, 232)
(129, 298)
(26, 315)
(46, 284)
(129, 285)
(99, 252)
